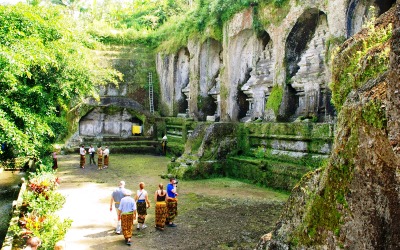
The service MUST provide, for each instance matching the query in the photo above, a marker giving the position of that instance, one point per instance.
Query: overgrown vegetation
(275, 99)
(359, 61)
(47, 67)
(37, 213)
(324, 210)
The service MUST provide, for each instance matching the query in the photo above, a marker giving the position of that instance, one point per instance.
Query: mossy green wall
(253, 158)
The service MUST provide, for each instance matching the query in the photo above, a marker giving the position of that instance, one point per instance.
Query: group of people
(127, 207)
(101, 154)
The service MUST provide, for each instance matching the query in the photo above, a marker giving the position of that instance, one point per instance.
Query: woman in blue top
(172, 202)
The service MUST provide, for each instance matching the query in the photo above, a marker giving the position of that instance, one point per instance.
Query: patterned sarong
(83, 160)
(100, 162)
(127, 224)
(106, 158)
(161, 214)
(172, 205)
(142, 211)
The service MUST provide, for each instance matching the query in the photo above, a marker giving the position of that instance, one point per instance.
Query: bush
(37, 218)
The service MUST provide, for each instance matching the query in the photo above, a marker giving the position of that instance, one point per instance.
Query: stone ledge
(9, 239)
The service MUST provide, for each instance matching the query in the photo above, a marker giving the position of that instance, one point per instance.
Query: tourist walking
(161, 207)
(142, 204)
(99, 158)
(92, 151)
(116, 197)
(172, 202)
(82, 152)
(127, 208)
(106, 155)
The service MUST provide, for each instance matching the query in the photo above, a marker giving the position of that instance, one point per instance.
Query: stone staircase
(126, 145)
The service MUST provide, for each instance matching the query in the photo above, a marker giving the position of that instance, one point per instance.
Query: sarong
(172, 205)
(83, 160)
(161, 214)
(127, 224)
(141, 210)
(106, 158)
(100, 162)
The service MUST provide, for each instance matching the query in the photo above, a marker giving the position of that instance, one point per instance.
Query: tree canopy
(46, 66)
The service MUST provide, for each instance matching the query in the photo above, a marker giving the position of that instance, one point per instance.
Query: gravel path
(213, 214)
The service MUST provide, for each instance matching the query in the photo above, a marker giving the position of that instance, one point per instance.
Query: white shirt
(82, 151)
(106, 152)
(143, 196)
(91, 150)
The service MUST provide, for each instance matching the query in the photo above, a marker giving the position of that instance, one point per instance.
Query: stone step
(114, 138)
(130, 143)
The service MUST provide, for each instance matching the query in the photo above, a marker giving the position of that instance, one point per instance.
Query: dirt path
(213, 214)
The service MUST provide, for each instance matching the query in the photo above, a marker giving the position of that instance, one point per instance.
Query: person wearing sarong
(172, 202)
(116, 197)
(106, 156)
(127, 208)
(82, 152)
(161, 207)
(99, 158)
(142, 204)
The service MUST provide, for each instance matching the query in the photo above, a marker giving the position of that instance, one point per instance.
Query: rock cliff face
(353, 202)
(234, 78)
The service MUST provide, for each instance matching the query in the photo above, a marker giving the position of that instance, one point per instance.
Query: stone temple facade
(231, 80)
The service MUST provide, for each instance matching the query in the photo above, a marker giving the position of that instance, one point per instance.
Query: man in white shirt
(91, 153)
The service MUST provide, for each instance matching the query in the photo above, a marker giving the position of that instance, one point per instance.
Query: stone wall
(352, 202)
(234, 77)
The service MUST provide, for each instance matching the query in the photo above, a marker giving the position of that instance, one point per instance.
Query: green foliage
(374, 115)
(46, 67)
(365, 59)
(243, 145)
(275, 99)
(40, 202)
(325, 208)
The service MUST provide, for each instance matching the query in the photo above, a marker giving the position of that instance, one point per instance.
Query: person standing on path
(92, 151)
(161, 207)
(82, 152)
(127, 208)
(116, 197)
(164, 144)
(106, 155)
(99, 158)
(54, 156)
(172, 202)
(142, 205)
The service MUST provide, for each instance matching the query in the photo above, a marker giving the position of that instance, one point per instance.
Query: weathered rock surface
(353, 202)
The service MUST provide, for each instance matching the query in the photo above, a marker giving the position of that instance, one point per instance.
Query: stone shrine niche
(108, 121)
(306, 67)
(210, 63)
(310, 80)
(242, 53)
(181, 80)
(260, 83)
(359, 12)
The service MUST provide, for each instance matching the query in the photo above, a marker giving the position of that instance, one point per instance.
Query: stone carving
(258, 87)
(310, 80)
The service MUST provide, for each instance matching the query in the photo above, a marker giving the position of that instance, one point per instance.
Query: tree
(46, 66)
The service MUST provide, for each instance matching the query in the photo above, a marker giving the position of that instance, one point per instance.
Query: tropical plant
(46, 67)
